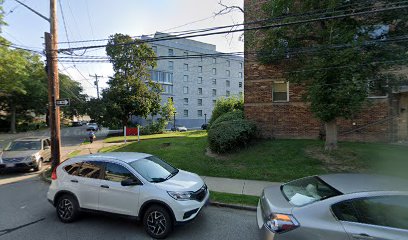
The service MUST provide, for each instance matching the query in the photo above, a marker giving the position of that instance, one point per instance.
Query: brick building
(276, 105)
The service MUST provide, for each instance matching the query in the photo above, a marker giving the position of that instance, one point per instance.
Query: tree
(74, 91)
(131, 90)
(334, 58)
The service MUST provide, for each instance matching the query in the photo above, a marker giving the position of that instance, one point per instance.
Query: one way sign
(62, 102)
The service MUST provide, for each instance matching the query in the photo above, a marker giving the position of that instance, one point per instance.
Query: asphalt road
(70, 136)
(26, 214)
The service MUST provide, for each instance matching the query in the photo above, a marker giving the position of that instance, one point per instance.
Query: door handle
(363, 236)
(74, 181)
(104, 186)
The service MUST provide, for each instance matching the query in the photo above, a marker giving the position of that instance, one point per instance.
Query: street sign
(63, 102)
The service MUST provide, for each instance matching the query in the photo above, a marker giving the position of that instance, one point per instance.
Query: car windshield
(307, 190)
(24, 146)
(153, 169)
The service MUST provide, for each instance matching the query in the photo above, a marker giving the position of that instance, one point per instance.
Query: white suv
(134, 184)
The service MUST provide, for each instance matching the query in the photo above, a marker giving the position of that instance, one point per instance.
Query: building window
(171, 52)
(200, 80)
(154, 49)
(200, 91)
(168, 89)
(214, 92)
(228, 63)
(171, 65)
(186, 54)
(241, 94)
(227, 93)
(214, 60)
(228, 73)
(200, 102)
(185, 67)
(200, 69)
(214, 81)
(280, 91)
(185, 100)
(185, 113)
(240, 74)
(240, 65)
(199, 113)
(185, 78)
(161, 77)
(185, 90)
(201, 58)
(228, 83)
(214, 71)
(240, 84)
(214, 102)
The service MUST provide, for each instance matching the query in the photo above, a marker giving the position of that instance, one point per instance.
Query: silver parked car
(26, 153)
(335, 207)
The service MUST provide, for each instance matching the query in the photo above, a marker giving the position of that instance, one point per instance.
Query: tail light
(54, 173)
(280, 223)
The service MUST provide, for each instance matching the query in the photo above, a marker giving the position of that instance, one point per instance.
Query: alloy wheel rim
(65, 209)
(156, 223)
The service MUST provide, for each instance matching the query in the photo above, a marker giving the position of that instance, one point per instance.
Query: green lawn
(144, 137)
(237, 199)
(272, 160)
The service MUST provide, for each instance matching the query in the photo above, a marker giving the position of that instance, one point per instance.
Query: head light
(181, 196)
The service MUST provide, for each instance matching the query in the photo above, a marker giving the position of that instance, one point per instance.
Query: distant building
(195, 82)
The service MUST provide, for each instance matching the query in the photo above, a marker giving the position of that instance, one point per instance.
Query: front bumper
(186, 211)
(21, 165)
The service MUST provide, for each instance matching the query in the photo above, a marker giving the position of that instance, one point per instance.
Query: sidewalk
(224, 185)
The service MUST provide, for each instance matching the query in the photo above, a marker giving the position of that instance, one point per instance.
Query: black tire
(157, 222)
(67, 208)
(39, 165)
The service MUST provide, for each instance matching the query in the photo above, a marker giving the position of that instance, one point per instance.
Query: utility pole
(96, 83)
(53, 85)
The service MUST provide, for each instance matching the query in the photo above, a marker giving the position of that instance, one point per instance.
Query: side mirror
(47, 147)
(130, 182)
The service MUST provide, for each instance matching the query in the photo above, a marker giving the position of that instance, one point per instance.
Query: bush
(231, 135)
(234, 115)
(157, 127)
(225, 105)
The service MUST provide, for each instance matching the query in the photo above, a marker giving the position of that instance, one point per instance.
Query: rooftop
(126, 157)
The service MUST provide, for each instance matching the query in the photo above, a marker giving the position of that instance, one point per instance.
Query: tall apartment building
(196, 82)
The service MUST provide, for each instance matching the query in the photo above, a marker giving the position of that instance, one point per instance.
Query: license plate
(9, 165)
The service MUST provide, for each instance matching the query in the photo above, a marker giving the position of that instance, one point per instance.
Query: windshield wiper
(158, 180)
(172, 174)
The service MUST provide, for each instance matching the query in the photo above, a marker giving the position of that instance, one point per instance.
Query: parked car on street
(204, 126)
(76, 124)
(134, 184)
(335, 207)
(26, 153)
(92, 127)
(179, 129)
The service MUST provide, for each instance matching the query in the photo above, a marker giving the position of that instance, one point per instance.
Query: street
(26, 214)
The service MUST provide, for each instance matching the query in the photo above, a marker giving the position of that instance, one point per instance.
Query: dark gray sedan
(335, 207)
(26, 153)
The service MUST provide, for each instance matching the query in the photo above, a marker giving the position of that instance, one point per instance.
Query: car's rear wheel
(67, 208)
(157, 222)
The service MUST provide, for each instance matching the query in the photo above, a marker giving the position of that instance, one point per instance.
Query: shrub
(157, 127)
(234, 115)
(231, 135)
(225, 105)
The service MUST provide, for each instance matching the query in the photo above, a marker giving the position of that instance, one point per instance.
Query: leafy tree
(74, 91)
(131, 90)
(335, 58)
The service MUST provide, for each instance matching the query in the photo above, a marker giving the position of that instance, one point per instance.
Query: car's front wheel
(157, 222)
(67, 208)
(39, 165)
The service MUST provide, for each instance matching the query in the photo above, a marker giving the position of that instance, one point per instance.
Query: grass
(272, 160)
(236, 199)
(74, 153)
(144, 137)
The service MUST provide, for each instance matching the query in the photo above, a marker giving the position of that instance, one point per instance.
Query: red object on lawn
(131, 131)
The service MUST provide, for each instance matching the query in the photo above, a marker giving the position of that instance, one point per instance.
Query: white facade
(195, 82)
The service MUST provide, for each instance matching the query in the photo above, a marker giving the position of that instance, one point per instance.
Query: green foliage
(131, 91)
(224, 105)
(156, 127)
(336, 76)
(230, 133)
(237, 114)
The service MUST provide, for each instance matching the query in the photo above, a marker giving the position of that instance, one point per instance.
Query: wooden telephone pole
(96, 83)
(51, 44)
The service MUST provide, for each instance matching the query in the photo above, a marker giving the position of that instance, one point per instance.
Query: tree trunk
(331, 135)
(13, 119)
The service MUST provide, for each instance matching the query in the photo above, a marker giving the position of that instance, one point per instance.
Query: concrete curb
(43, 177)
(233, 206)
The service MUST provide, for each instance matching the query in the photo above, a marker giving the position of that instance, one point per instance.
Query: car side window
(90, 170)
(45, 143)
(388, 211)
(117, 173)
(73, 168)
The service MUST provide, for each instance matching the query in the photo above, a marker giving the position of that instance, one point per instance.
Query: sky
(98, 19)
